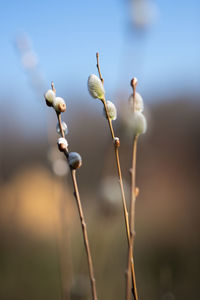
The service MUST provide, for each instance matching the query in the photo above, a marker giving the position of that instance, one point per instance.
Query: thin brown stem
(109, 120)
(85, 235)
(116, 149)
(81, 215)
(60, 124)
(132, 221)
(98, 68)
(134, 192)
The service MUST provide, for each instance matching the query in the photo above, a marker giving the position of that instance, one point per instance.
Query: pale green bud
(75, 160)
(136, 102)
(95, 87)
(49, 97)
(112, 111)
(139, 123)
(59, 104)
(64, 128)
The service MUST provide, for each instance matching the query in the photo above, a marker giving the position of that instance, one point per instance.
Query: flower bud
(136, 102)
(134, 82)
(116, 142)
(112, 111)
(62, 144)
(50, 97)
(64, 128)
(75, 160)
(95, 87)
(59, 104)
(139, 124)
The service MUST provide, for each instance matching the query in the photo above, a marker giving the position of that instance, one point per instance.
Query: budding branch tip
(134, 82)
(53, 87)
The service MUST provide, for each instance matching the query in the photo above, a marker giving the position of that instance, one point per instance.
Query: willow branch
(81, 215)
(132, 221)
(116, 149)
(85, 235)
(132, 209)
(98, 68)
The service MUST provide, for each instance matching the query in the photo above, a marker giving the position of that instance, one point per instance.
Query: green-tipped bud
(95, 87)
(136, 102)
(64, 128)
(59, 104)
(139, 123)
(112, 111)
(49, 97)
(75, 160)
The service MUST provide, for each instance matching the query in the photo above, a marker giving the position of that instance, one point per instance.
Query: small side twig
(98, 68)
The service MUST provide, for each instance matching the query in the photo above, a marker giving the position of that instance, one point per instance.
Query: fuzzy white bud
(50, 97)
(112, 111)
(62, 144)
(64, 128)
(136, 102)
(95, 87)
(75, 160)
(59, 104)
(139, 123)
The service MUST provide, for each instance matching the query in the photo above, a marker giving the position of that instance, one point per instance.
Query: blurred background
(41, 250)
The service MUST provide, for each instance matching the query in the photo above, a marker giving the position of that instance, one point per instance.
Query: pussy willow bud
(64, 128)
(134, 82)
(95, 87)
(116, 142)
(136, 102)
(49, 97)
(112, 111)
(75, 160)
(59, 104)
(139, 123)
(62, 144)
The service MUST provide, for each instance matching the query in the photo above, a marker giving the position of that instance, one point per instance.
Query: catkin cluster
(135, 120)
(59, 105)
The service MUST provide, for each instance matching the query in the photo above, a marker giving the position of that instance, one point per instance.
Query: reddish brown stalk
(116, 149)
(132, 208)
(81, 215)
(85, 235)
(132, 221)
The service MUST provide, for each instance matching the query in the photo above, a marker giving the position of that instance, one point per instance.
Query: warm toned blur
(34, 201)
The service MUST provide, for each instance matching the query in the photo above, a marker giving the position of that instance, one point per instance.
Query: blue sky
(66, 35)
